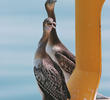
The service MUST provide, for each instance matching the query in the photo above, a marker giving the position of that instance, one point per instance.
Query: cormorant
(48, 74)
(55, 48)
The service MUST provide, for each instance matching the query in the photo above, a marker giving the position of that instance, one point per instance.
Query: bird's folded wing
(64, 61)
(50, 81)
(65, 89)
(64, 51)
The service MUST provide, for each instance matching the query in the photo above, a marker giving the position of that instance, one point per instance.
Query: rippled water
(19, 35)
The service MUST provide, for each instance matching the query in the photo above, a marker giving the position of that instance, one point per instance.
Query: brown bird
(55, 48)
(48, 74)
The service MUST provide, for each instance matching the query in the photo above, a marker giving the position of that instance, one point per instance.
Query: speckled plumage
(51, 79)
(64, 62)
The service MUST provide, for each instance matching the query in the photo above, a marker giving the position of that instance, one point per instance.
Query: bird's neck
(53, 38)
(50, 11)
(51, 14)
(41, 52)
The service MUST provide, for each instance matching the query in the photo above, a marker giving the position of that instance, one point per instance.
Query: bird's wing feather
(50, 80)
(65, 89)
(65, 62)
(64, 51)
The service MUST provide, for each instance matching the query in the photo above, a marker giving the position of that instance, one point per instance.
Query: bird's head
(48, 25)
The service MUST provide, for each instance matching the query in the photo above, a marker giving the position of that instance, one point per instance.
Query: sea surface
(20, 31)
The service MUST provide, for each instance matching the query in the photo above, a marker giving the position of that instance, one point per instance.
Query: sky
(20, 31)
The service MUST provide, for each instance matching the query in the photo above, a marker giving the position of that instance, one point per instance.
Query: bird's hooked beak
(54, 25)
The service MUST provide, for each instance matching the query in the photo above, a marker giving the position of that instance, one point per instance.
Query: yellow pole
(85, 79)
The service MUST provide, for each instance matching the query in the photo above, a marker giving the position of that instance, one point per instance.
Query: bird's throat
(41, 51)
(53, 38)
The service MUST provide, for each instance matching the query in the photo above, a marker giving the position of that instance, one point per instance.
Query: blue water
(20, 31)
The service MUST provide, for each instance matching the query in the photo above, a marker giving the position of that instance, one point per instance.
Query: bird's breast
(51, 50)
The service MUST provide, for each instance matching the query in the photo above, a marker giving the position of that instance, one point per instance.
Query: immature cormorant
(48, 74)
(56, 50)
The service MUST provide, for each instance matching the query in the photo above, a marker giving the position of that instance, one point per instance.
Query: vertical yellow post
(85, 79)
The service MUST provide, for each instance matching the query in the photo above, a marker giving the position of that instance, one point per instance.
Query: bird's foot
(50, 4)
